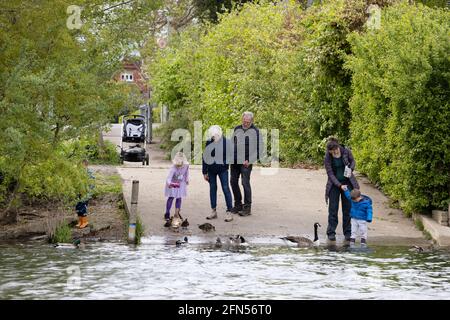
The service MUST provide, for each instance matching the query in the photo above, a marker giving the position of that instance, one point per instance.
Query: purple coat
(347, 158)
(177, 175)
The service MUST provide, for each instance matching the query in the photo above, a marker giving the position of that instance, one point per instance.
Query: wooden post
(133, 212)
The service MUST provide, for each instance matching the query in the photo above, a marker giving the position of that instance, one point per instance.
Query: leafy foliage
(55, 86)
(400, 106)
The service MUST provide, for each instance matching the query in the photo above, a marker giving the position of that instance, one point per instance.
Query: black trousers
(238, 170)
(333, 208)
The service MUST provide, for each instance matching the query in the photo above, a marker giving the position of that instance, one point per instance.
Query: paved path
(287, 203)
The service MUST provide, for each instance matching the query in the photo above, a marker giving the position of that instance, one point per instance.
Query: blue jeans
(333, 208)
(223, 176)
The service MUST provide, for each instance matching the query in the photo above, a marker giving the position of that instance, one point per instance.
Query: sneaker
(352, 242)
(236, 209)
(229, 217)
(167, 224)
(331, 239)
(213, 215)
(363, 242)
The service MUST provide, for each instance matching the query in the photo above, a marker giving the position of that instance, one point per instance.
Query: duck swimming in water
(420, 249)
(76, 244)
(178, 243)
(304, 241)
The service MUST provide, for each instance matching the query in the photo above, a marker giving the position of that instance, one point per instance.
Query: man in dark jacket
(339, 164)
(247, 142)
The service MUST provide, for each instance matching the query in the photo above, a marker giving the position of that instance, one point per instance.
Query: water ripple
(159, 271)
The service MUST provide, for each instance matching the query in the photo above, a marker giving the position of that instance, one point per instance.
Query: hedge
(400, 105)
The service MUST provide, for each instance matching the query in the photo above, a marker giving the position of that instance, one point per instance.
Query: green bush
(400, 106)
(89, 148)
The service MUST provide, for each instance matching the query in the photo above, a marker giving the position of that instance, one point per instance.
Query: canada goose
(303, 241)
(74, 245)
(206, 227)
(178, 243)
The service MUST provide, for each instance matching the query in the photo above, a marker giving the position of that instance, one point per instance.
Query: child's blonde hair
(180, 159)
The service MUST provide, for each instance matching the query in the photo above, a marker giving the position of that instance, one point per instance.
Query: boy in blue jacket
(360, 213)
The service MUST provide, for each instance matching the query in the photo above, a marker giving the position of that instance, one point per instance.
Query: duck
(420, 249)
(185, 223)
(207, 227)
(304, 241)
(74, 245)
(178, 243)
(175, 222)
(218, 243)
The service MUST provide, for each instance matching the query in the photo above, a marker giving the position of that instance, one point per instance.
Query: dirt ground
(106, 218)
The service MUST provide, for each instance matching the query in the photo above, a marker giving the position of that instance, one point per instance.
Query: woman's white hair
(215, 132)
(180, 159)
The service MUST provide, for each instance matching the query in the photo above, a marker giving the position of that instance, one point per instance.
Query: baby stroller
(134, 135)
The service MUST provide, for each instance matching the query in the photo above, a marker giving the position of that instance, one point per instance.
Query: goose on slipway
(304, 241)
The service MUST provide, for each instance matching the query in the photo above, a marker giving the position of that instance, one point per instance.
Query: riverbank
(286, 202)
(107, 219)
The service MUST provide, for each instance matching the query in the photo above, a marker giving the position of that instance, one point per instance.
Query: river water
(195, 271)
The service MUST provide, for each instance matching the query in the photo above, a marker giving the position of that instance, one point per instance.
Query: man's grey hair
(247, 114)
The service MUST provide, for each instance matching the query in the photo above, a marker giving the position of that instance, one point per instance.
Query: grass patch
(139, 231)
(63, 234)
(419, 224)
(107, 184)
(427, 235)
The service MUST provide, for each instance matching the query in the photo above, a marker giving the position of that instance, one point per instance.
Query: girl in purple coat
(176, 184)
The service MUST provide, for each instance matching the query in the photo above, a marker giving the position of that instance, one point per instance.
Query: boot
(236, 209)
(84, 222)
(246, 211)
(79, 222)
(213, 215)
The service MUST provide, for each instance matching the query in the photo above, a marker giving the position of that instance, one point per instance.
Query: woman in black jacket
(216, 159)
(338, 160)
